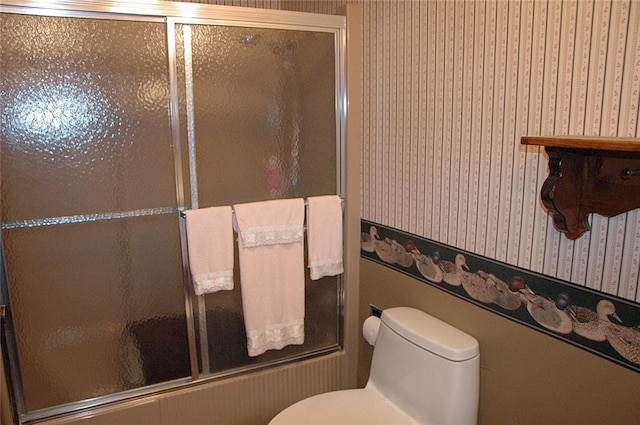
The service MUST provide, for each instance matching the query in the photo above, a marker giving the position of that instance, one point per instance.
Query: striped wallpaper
(449, 87)
(263, 4)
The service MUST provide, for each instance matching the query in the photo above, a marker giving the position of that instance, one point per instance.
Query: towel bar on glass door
(184, 215)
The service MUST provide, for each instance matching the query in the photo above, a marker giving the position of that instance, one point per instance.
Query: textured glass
(263, 127)
(93, 257)
(85, 298)
(227, 340)
(264, 113)
(88, 193)
(83, 110)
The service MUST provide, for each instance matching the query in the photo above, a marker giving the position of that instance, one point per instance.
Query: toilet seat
(347, 407)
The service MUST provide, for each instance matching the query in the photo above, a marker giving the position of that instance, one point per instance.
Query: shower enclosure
(114, 119)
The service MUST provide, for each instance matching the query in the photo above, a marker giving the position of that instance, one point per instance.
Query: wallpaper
(601, 324)
(449, 88)
(262, 4)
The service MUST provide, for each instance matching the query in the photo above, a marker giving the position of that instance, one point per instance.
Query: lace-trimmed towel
(210, 244)
(271, 253)
(324, 235)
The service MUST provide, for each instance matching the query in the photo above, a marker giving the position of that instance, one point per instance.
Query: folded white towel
(210, 244)
(271, 254)
(324, 235)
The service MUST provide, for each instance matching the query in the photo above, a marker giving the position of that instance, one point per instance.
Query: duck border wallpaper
(602, 324)
(450, 87)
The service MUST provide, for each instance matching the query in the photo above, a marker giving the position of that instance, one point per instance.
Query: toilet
(423, 372)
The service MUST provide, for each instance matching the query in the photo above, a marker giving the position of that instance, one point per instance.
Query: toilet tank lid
(430, 333)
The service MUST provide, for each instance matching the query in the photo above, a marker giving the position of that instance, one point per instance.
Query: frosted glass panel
(87, 179)
(265, 127)
(82, 116)
(227, 339)
(265, 123)
(85, 131)
(82, 297)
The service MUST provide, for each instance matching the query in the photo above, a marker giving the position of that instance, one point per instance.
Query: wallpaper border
(540, 297)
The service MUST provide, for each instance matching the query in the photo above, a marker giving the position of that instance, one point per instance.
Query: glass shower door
(89, 213)
(263, 126)
(110, 125)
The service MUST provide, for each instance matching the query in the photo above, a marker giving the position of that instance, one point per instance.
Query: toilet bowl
(423, 372)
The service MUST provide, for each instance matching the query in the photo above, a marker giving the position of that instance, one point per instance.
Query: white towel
(210, 244)
(324, 234)
(271, 253)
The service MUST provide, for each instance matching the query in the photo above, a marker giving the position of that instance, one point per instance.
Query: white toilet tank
(428, 368)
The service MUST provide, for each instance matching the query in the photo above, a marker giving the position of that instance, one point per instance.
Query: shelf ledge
(588, 175)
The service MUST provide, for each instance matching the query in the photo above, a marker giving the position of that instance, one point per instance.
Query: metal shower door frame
(173, 13)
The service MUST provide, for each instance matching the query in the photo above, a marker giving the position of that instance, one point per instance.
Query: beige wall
(527, 377)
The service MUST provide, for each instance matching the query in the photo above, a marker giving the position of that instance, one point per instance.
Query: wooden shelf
(622, 144)
(588, 175)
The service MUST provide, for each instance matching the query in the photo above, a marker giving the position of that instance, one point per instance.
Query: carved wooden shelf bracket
(588, 175)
